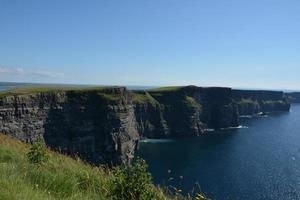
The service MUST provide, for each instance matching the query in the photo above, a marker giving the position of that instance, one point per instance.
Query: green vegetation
(266, 102)
(271, 102)
(144, 97)
(61, 177)
(110, 97)
(38, 153)
(75, 90)
(166, 96)
(250, 101)
(164, 92)
(247, 101)
(31, 89)
(133, 182)
(191, 102)
(166, 89)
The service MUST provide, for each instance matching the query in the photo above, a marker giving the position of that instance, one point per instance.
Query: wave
(156, 140)
(228, 128)
(246, 116)
(253, 116)
(209, 130)
(236, 127)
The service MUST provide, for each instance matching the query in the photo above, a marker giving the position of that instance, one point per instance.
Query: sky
(233, 43)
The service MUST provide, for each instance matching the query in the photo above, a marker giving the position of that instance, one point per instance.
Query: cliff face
(99, 126)
(103, 126)
(251, 102)
(184, 111)
(294, 97)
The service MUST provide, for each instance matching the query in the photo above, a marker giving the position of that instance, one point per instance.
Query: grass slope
(142, 97)
(64, 178)
(61, 178)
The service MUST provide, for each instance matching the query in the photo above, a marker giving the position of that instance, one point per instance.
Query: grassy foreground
(62, 177)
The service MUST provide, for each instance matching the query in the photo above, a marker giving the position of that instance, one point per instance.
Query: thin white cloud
(23, 72)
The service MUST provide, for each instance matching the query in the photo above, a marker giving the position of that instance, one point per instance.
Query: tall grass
(61, 177)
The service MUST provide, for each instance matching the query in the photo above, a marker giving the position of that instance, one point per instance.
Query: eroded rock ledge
(103, 126)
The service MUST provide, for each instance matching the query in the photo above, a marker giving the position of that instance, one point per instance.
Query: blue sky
(236, 43)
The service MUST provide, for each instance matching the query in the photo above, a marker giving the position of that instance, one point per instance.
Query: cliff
(97, 125)
(104, 125)
(182, 111)
(294, 97)
(253, 102)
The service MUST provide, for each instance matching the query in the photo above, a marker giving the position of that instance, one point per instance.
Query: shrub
(133, 182)
(37, 153)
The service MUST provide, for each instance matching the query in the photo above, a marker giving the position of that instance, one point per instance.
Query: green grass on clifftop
(166, 89)
(33, 89)
(144, 97)
(247, 101)
(191, 102)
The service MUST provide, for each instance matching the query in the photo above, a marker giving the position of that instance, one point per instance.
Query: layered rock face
(99, 126)
(184, 111)
(103, 126)
(251, 102)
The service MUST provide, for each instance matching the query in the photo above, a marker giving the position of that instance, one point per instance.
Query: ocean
(259, 161)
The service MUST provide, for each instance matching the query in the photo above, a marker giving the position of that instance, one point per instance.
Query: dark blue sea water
(258, 162)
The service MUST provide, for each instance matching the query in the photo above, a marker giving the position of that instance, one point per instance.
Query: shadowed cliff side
(182, 111)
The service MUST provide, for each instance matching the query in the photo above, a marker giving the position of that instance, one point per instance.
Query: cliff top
(31, 90)
(166, 89)
(177, 88)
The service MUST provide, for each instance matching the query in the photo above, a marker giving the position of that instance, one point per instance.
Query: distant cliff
(104, 125)
(182, 111)
(252, 102)
(294, 97)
